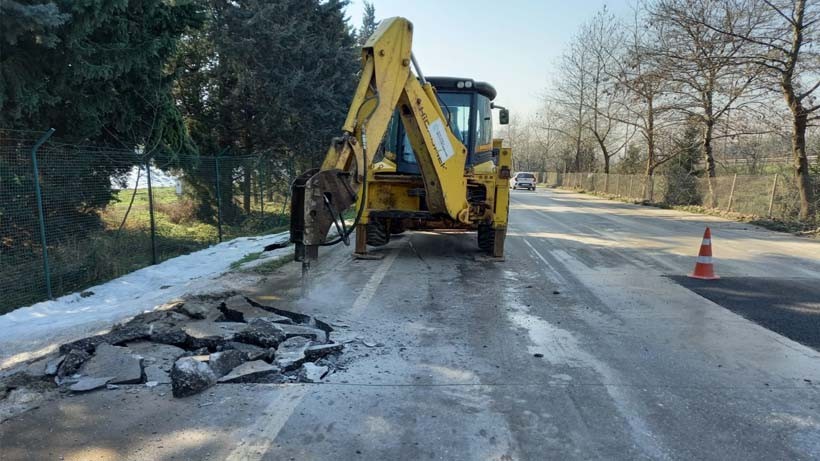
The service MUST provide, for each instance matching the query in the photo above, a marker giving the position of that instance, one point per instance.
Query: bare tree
(599, 37)
(570, 95)
(782, 37)
(546, 137)
(521, 138)
(707, 78)
(585, 89)
(641, 90)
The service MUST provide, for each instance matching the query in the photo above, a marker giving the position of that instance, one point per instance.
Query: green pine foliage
(95, 70)
(265, 82)
(369, 23)
(682, 171)
(268, 78)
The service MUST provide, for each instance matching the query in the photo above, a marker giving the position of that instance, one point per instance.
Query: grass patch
(271, 266)
(99, 255)
(246, 259)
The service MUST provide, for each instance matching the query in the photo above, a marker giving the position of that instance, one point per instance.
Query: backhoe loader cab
(467, 106)
(396, 201)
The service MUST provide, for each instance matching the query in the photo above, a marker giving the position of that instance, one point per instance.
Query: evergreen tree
(633, 162)
(96, 72)
(93, 70)
(26, 31)
(278, 75)
(369, 23)
(682, 171)
(35, 23)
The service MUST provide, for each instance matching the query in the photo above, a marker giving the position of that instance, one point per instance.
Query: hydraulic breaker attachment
(318, 200)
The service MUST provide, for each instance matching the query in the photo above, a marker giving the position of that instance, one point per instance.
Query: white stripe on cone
(707, 242)
(705, 259)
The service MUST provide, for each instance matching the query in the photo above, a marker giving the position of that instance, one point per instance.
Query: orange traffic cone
(704, 269)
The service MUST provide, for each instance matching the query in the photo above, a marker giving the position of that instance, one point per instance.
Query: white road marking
(372, 285)
(620, 246)
(562, 347)
(552, 269)
(256, 439)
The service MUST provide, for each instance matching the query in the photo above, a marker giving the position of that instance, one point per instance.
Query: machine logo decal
(442, 142)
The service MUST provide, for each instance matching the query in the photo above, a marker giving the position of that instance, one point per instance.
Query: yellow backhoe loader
(415, 153)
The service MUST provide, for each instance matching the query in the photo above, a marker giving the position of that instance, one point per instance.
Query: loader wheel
(486, 238)
(396, 227)
(377, 234)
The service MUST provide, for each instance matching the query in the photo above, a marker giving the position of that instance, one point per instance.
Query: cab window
(484, 121)
(456, 108)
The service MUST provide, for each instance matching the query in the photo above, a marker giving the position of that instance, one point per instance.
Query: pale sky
(512, 44)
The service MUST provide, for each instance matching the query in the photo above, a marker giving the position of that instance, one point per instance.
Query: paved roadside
(578, 347)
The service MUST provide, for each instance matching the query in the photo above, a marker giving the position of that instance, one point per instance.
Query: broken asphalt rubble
(192, 345)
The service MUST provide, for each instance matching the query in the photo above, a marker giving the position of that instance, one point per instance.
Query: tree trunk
(649, 186)
(801, 167)
(649, 182)
(230, 212)
(709, 157)
(578, 149)
(246, 189)
(799, 116)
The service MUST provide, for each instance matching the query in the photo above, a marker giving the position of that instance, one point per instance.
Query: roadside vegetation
(799, 228)
(113, 251)
(694, 91)
(224, 98)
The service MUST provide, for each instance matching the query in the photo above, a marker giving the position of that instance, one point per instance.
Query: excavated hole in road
(191, 345)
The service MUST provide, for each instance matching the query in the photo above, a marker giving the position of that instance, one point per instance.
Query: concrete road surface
(577, 347)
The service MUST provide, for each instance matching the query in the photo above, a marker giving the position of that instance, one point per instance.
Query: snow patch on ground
(32, 331)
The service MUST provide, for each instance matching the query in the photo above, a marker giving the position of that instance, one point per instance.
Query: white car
(523, 180)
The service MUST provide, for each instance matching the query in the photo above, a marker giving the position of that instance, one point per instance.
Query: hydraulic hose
(364, 181)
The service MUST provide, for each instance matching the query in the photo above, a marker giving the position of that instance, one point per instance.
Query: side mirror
(504, 117)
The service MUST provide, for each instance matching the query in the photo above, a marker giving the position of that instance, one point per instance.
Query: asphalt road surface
(579, 346)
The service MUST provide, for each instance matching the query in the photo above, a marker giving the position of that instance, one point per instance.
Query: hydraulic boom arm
(387, 83)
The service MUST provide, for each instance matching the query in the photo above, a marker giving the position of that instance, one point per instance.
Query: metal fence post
(261, 179)
(218, 197)
(39, 196)
(732, 193)
(151, 211)
(771, 198)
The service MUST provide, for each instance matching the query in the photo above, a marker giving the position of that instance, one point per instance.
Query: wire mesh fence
(770, 196)
(108, 212)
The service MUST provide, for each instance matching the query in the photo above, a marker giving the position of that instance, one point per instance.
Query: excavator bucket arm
(319, 197)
